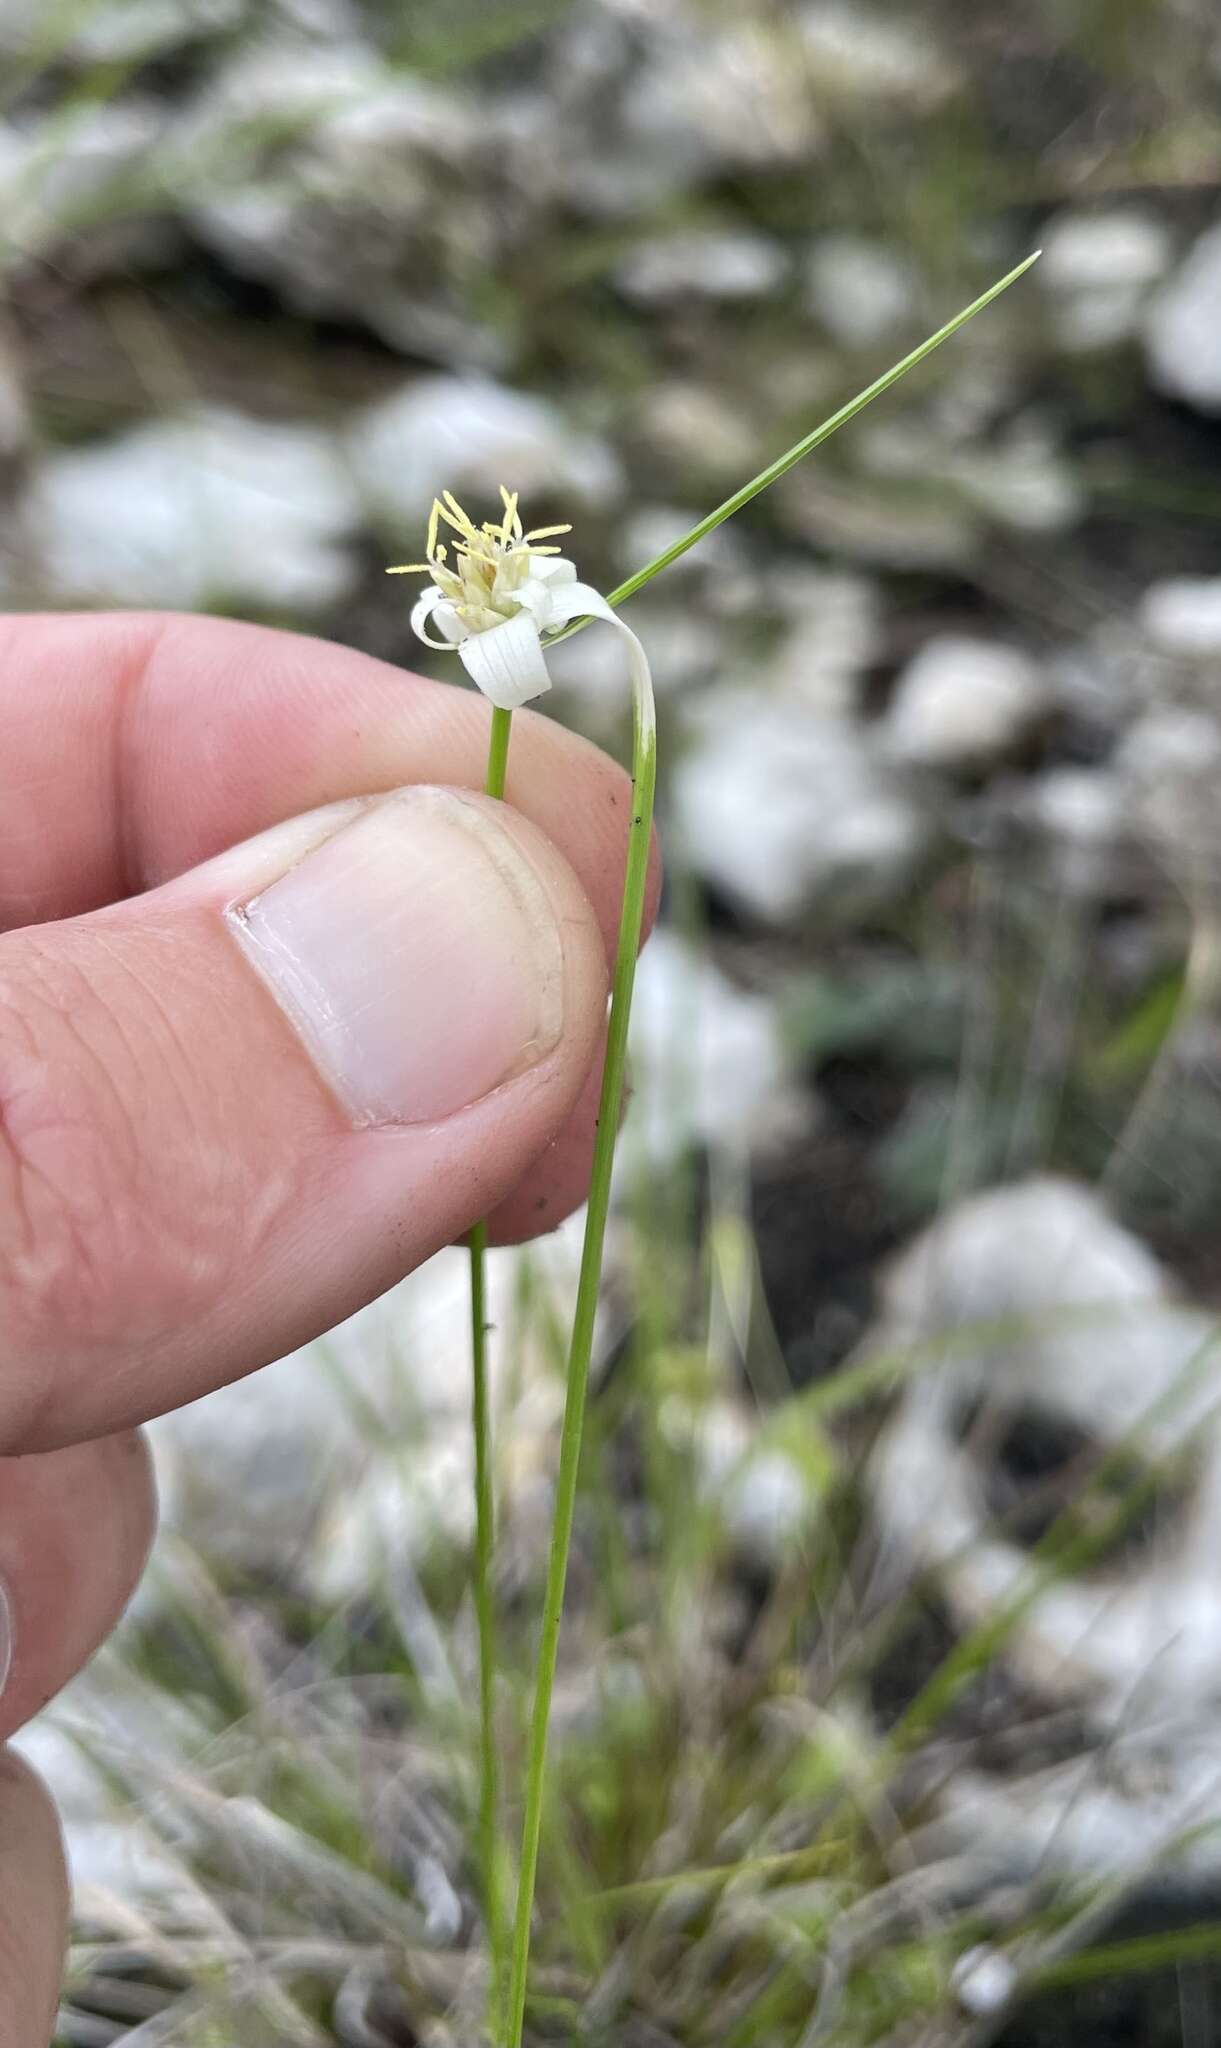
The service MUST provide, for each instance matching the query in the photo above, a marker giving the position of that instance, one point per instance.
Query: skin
(134, 750)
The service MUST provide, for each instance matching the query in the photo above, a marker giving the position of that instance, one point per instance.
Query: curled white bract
(496, 591)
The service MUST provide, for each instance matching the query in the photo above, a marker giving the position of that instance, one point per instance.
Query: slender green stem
(644, 776)
(485, 1527)
(806, 446)
(484, 1538)
(498, 751)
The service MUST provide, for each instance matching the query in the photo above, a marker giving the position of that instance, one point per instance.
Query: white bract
(495, 591)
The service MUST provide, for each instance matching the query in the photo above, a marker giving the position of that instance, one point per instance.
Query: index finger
(134, 746)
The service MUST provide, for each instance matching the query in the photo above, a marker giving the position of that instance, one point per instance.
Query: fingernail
(416, 952)
(6, 1637)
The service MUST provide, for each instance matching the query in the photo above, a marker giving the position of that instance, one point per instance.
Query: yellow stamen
(479, 553)
(470, 541)
(471, 552)
(444, 513)
(452, 510)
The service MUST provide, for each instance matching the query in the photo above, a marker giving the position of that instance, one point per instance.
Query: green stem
(498, 751)
(498, 756)
(644, 775)
(484, 1536)
(806, 446)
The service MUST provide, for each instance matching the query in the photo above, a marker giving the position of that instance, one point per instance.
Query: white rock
(1182, 616)
(858, 53)
(470, 435)
(392, 1516)
(1014, 1250)
(692, 426)
(116, 31)
(765, 1499)
(984, 391)
(404, 1503)
(705, 97)
(708, 1059)
(1169, 763)
(314, 1468)
(769, 1506)
(1182, 324)
(95, 1731)
(1024, 482)
(1085, 251)
(1098, 269)
(860, 291)
(983, 1980)
(963, 702)
(1074, 1321)
(646, 155)
(181, 511)
(1021, 480)
(783, 809)
(1082, 805)
(87, 193)
(1080, 815)
(281, 1442)
(404, 1491)
(834, 635)
(301, 82)
(706, 264)
(317, 170)
(1143, 1808)
(921, 528)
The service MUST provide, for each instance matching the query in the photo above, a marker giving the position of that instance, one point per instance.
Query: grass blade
(806, 446)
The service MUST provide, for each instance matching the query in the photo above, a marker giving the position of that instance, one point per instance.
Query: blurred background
(888, 1703)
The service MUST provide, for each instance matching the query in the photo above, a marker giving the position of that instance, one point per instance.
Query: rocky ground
(929, 1048)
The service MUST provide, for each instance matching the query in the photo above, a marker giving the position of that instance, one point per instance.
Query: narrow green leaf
(800, 449)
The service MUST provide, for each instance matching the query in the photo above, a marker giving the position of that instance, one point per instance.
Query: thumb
(235, 1108)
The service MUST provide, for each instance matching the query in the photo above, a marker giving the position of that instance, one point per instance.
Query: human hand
(243, 1091)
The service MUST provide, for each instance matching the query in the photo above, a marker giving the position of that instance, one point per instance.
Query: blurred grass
(725, 1854)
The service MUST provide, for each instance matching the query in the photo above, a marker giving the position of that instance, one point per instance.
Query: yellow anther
(480, 553)
(453, 511)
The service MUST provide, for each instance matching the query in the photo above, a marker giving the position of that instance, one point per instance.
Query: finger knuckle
(67, 1155)
(105, 1235)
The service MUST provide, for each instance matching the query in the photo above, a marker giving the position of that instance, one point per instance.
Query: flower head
(495, 590)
